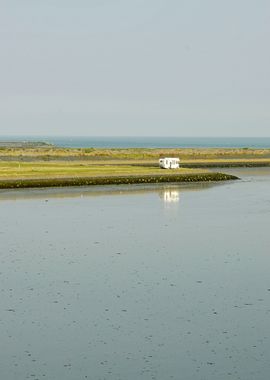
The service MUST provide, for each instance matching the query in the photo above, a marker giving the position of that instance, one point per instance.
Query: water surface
(136, 282)
(147, 141)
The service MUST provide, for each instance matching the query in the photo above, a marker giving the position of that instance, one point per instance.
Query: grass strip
(50, 153)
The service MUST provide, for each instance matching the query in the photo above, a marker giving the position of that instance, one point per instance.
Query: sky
(135, 67)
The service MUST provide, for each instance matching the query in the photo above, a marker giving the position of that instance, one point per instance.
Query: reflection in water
(169, 192)
(170, 196)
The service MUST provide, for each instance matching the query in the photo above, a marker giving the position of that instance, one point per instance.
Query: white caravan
(169, 163)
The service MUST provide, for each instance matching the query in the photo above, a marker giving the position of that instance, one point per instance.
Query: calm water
(145, 283)
(148, 142)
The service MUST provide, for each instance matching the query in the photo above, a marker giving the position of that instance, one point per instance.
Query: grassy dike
(112, 180)
(85, 173)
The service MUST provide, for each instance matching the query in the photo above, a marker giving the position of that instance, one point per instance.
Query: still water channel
(128, 283)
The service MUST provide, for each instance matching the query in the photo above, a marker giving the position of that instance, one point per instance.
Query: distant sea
(147, 142)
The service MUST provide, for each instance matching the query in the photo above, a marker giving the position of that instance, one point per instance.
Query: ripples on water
(156, 283)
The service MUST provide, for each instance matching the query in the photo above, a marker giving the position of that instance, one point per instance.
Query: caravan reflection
(170, 196)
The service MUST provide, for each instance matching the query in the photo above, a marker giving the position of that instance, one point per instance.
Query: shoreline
(114, 180)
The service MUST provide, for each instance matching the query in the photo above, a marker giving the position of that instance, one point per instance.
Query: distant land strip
(189, 157)
(24, 144)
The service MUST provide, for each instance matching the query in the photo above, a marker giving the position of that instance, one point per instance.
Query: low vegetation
(113, 180)
(137, 154)
(64, 173)
(45, 165)
(11, 169)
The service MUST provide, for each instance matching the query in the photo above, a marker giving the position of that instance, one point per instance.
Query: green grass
(50, 174)
(13, 170)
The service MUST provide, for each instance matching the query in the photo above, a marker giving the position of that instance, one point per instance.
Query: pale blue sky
(135, 67)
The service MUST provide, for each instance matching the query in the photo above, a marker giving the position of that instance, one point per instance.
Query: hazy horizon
(132, 136)
(127, 137)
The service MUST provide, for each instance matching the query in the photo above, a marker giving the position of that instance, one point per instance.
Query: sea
(146, 142)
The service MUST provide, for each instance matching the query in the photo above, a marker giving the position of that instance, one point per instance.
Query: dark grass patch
(114, 180)
(235, 164)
